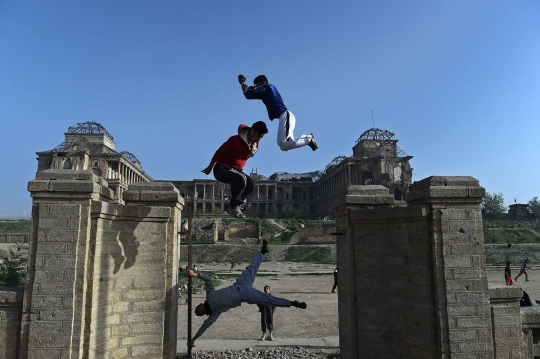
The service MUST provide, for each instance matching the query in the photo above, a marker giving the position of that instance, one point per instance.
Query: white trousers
(285, 136)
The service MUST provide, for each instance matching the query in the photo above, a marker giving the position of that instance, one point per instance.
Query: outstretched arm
(209, 284)
(242, 80)
(208, 169)
(191, 343)
(221, 151)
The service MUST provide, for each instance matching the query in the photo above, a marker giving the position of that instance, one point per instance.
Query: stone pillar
(54, 297)
(412, 280)
(163, 194)
(506, 321)
(353, 198)
(102, 277)
(459, 263)
(11, 301)
(530, 319)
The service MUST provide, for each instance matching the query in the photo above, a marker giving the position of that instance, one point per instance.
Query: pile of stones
(269, 353)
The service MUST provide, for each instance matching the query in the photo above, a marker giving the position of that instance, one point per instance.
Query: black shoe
(297, 304)
(313, 143)
(264, 248)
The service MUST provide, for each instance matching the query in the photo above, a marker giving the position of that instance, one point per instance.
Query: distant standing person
(335, 281)
(523, 270)
(229, 160)
(267, 316)
(508, 274)
(275, 107)
(233, 264)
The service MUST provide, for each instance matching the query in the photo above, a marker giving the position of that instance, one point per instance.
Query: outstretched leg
(248, 276)
(254, 296)
(285, 135)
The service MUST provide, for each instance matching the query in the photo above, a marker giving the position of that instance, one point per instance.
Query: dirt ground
(311, 283)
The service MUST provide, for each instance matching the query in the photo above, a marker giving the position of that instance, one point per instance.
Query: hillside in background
(496, 232)
(515, 232)
(14, 226)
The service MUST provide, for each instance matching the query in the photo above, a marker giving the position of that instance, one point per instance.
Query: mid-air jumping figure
(271, 98)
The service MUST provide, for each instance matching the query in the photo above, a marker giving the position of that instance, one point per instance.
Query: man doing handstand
(220, 301)
(275, 107)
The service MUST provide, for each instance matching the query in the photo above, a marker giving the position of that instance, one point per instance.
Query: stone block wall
(102, 277)
(415, 277)
(507, 326)
(11, 300)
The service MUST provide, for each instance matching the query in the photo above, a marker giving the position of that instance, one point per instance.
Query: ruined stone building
(376, 160)
(89, 146)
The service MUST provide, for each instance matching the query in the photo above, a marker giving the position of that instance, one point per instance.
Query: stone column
(417, 273)
(459, 263)
(11, 300)
(353, 198)
(506, 321)
(54, 297)
(167, 195)
(102, 277)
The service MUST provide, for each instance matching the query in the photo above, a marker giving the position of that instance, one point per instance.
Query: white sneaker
(236, 212)
(264, 336)
(271, 336)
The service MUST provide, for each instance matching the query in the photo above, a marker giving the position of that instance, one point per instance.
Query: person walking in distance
(219, 301)
(269, 95)
(508, 274)
(267, 316)
(229, 160)
(523, 270)
(335, 281)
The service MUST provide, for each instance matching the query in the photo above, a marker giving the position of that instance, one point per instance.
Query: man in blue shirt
(220, 301)
(523, 270)
(275, 107)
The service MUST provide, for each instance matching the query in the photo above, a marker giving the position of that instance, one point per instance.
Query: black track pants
(241, 184)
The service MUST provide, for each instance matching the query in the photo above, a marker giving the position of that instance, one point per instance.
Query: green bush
(12, 267)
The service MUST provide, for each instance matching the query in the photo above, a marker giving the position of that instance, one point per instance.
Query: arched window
(398, 195)
(67, 164)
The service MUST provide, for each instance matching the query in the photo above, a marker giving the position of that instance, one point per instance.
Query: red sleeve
(224, 149)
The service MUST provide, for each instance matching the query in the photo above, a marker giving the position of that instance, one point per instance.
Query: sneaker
(271, 336)
(297, 304)
(236, 212)
(264, 336)
(313, 143)
(243, 207)
(264, 248)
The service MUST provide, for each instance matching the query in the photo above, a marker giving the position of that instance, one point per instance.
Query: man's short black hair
(260, 127)
(261, 79)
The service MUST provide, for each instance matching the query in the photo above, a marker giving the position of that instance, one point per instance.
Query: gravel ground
(273, 353)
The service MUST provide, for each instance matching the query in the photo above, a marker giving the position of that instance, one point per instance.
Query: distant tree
(493, 206)
(534, 208)
(272, 210)
(12, 267)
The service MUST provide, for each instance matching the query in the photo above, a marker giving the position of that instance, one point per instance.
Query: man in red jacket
(230, 159)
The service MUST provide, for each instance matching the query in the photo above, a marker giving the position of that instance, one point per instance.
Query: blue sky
(458, 82)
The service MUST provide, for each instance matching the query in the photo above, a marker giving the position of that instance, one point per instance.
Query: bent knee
(283, 146)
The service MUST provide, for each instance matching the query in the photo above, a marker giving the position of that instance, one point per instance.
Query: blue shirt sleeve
(255, 92)
(207, 323)
(208, 283)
